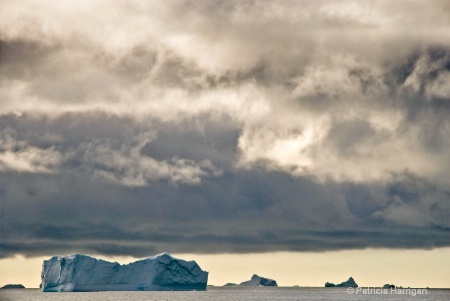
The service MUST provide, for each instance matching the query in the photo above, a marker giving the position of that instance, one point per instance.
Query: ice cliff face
(81, 273)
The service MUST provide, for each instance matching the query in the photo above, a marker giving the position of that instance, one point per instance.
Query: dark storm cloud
(223, 126)
(245, 211)
(214, 140)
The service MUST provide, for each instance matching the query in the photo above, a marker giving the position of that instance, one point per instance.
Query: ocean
(233, 294)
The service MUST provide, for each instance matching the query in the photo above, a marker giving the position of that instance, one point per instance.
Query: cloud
(18, 156)
(212, 126)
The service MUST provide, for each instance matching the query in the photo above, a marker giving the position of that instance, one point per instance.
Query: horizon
(229, 131)
(362, 265)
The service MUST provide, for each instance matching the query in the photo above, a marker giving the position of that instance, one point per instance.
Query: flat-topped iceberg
(81, 273)
(12, 286)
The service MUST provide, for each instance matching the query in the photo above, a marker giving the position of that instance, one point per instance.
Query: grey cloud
(214, 140)
(23, 58)
(118, 159)
(347, 135)
(251, 211)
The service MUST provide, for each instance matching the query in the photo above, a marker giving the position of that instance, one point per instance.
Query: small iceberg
(349, 283)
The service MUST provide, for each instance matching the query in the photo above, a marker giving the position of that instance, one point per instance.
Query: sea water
(230, 294)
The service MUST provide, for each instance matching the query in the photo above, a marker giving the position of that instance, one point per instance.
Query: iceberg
(388, 286)
(259, 281)
(11, 286)
(82, 273)
(349, 283)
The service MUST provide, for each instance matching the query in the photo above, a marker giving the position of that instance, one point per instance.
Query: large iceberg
(81, 273)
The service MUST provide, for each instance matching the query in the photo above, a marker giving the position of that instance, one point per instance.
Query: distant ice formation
(349, 283)
(81, 273)
(259, 281)
(12, 286)
(388, 286)
(255, 281)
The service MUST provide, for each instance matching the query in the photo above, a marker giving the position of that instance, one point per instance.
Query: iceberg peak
(259, 281)
(349, 283)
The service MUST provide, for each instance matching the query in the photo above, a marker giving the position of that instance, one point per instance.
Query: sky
(224, 130)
